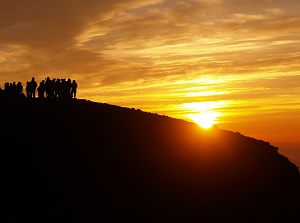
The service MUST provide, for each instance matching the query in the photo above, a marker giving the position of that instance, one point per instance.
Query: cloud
(45, 35)
(118, 41)
(157, 55)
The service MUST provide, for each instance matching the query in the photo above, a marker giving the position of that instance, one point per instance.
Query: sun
(204, 113)
(205, 119)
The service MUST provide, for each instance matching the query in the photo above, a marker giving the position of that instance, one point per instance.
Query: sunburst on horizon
(205, 119)
(203, 113)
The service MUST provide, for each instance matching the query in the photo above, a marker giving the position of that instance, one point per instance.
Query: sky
(234, 62)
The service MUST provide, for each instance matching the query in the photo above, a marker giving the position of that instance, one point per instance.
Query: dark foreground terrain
(81, 161)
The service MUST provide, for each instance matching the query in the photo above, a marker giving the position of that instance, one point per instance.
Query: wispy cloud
(158, 54)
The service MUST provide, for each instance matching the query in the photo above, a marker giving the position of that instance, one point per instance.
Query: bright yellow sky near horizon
(236, 62)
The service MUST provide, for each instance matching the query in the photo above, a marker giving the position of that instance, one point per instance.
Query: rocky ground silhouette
(82, 161)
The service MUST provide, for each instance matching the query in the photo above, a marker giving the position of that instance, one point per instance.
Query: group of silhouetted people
(55, 88)
(48, 88)
(13, 88)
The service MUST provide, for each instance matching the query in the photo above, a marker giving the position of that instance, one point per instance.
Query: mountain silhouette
(82, 161)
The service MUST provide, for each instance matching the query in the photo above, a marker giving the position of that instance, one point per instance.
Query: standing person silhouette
(27, 89)
(20, 88)
(73, 89)
(68, 88)
(32, 87)
(41, 89)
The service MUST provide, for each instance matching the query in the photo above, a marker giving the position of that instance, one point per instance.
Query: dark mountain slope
(77, 160)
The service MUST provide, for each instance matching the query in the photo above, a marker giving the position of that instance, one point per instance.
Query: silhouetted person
(41, 89)
(19, 88)
(27, 89)
(73, 89)
(49, 87)
(64, 88)
(32, 85)
(57, 88)
(53, 87)
(6, 86)
(68, 88)
(13, 89)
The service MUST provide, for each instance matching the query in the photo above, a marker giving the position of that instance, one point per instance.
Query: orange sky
(237, 58)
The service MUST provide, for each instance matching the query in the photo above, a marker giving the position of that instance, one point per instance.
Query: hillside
(77, 160)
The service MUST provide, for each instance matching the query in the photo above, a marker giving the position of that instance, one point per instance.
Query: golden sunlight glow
(203, 113)
(205, 119)
(204, 106)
